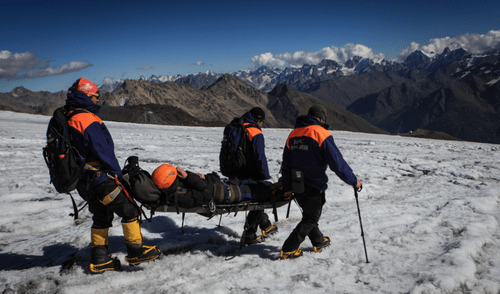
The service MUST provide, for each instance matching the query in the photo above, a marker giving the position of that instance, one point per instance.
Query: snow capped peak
(265, 78)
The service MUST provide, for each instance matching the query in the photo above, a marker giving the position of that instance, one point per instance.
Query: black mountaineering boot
(256, 240)
(100, 260)
(326, 243)
(138, 253)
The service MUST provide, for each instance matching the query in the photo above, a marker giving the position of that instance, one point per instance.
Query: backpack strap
(75, 207)
(129, 197)
(72, 112)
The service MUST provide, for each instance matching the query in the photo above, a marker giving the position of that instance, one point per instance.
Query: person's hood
(308, 120)
(249, 119)
(78, 99)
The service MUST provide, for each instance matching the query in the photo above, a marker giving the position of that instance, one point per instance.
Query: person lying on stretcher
(187, 189)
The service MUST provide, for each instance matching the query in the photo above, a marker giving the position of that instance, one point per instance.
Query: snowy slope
(430, 212)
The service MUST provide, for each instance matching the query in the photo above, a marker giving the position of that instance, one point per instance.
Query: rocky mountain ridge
(464, 104)
(216, 105)
(229, 97)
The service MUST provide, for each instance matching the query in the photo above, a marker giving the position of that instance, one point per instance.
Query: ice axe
(360, 223)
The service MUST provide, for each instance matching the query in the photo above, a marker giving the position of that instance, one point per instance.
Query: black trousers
(256, 218)
(103, 214)
(311, 202)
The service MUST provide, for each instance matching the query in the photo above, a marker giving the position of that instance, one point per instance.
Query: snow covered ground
(430, 212)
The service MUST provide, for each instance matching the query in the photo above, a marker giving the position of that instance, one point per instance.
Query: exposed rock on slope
(286, 104)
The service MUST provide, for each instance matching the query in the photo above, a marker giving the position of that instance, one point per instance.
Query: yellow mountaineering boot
(100, 260)
(325, 244)
(269, 231)
(256, 240)
(137, 252)
(291, 254)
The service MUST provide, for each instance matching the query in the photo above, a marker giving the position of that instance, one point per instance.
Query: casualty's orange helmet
(164, 176)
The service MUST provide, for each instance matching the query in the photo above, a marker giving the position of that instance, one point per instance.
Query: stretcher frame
(226, 208)
(221, 209)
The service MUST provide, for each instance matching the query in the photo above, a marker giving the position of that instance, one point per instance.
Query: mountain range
(454, 92)
(391, 95)
(227, 98)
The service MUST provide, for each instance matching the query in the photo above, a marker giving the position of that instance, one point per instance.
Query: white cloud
(5, 54)
(267, 59)
(27, 66)
(73, 66)
(299, 58)
(472, 43)
(145, 67)
(108, 81)
(199, 63)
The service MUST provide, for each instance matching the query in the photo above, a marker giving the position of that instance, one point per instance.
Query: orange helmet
(164, 176)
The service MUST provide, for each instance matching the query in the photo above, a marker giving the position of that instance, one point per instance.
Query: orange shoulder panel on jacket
(252, 132)
(315, 132)
(82, 120)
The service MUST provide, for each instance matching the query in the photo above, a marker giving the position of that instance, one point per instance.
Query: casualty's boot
(137, 252)
(100, 260)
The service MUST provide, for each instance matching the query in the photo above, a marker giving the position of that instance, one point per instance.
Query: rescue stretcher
(221, 209)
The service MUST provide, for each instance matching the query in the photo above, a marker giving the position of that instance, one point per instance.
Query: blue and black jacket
(310, 147)
(91, 137)
(255, 156)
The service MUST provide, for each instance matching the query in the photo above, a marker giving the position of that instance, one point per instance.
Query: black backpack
(63, 160)
(232, 153)
(139, 184)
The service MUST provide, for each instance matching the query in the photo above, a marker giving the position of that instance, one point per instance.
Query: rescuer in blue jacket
(310, 149)
(256, 169)
(99, 184)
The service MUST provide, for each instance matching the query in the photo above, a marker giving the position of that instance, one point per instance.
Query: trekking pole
(360, 223)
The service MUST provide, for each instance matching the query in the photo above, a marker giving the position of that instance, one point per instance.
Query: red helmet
(87, 87)
(164, 176)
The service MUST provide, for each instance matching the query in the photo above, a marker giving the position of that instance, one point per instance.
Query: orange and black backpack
(63, 160)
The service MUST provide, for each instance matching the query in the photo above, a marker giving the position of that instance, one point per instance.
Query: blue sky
(47, 45)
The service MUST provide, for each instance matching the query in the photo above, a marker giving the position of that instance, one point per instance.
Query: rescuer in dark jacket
(309, 150)
(256, 170)
(99, 185)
